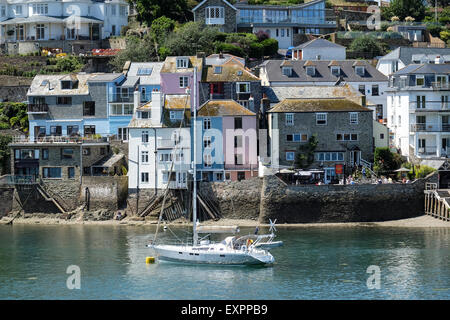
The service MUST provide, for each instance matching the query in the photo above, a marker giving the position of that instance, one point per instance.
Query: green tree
(159, 31)
(149, 10)
(366, 45)
(385, 161)
(190, 38)
(305, 155)
(137, 50)
(405, 8)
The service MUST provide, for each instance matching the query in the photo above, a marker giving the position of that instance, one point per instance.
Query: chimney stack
(157, 105)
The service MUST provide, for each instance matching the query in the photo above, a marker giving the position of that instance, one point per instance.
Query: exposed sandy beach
(418, 222)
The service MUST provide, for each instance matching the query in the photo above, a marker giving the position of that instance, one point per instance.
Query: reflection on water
(315, 263)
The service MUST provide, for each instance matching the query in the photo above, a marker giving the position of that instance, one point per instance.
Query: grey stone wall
(13, 93)
(6, 200)
(230, 15)
(340, 203)
(236, 200)
(107, 193)
(337, 122)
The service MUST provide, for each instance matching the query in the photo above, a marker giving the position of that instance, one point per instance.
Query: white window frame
(244, 103)
(287, 71)
(311, 74)
(338, 69)
(144, 156)
(40, 9)
(353, 117)
(176, 115)
(18, 9)
(144, 137)
(217, 12)
(321, 116)
(238, 87)
(206, 123)
(289, 120)
(360, 70)
(145, 177)
(184, 82)
(207, 142)
(182, 63)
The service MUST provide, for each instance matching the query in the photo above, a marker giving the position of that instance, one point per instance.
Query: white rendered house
(419, 111)
(24, 21)
(159, 150)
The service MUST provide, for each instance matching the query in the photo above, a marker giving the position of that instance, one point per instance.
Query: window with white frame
(217, 69)
(145, 136)
(40, 32)
(123, 11)
(290, 156)
(165, 157)
(243, 87)
(321, 118)
(18, 9)
(144, 156)
(346, 137)
(310, 71)
(182, 63)
(215, 12)
(375, 90)
(184, 82)
(113, 10)
(2, 11)
(353, 117)
(122, 134)
(360, 71)
(287, 71)
(330, 156)
(336, 71)
(40, 8)
(289, 119)
(144, 177)
(207, 160)
(206, 142)
(206, 123)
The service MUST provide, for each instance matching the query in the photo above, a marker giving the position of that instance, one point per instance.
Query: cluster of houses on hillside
(248, 120)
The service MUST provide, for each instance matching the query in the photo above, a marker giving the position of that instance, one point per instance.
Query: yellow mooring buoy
(149, 260)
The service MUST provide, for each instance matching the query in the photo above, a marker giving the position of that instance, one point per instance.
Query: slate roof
(277, 94)
(405, 54)
(153, 78)
(425, 68)
(319, 43)
(214, 59)
(318, 105)
(323, 71)
(221, 108)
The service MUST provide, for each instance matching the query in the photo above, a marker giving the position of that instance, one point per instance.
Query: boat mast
(194, 201)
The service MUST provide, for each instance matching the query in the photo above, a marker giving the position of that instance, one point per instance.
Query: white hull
(212, 254)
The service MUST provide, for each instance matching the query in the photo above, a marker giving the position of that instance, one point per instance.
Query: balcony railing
(165, 144)
(429, 106)
(59, 139)
(430, 127)
(427, 151)
(115, 97)
(440, 85)
(38, 108)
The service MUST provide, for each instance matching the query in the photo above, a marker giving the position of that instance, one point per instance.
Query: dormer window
(287, 71)
(420, 80)
(217, 70)
(336, 71)
(310, 71)
(182, 63)
(66, 85)
(360, 71)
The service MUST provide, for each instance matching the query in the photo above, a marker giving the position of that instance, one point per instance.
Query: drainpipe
(81, 164)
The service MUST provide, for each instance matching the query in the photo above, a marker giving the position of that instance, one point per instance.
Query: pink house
(177, 75)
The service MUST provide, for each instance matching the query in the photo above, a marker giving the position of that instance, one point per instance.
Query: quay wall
(270, 198)
(6, 200)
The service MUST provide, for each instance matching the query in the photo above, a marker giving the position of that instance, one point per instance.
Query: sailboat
(233, 250)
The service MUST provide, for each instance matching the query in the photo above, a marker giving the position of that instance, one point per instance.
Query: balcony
(427, 151)
(440, 85)
(115, 97)
(165, 144)
(38, 108)
(429, 106)
(430, 127)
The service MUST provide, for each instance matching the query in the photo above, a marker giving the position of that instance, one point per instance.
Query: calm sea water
(315, 263)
